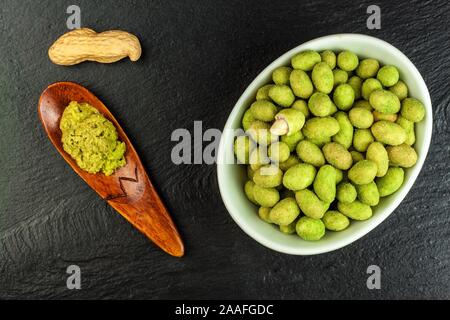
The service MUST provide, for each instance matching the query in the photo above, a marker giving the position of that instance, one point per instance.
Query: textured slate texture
(198, 58)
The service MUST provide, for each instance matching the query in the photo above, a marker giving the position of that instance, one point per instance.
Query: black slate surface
(199, 56)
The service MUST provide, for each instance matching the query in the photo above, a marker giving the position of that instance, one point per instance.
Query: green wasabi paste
(91, 139)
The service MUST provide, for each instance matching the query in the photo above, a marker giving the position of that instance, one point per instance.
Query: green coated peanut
(279, 152)
(412, 110)
(310, 229)
(346, 192)
(292, 140)
(263, 110)
(321, 128)
(363, 172)
(269, 176)
(281, 75)
(335, 221)
(301, 84)
(378, 116)
(400, 89)
(289, 229)
(391, 182)
(368, 194)
(265, 197)
(243, 146)
(302, 106)
(368, 86)
(339, 175)
(306, 60)
(377, 153)
(337, 155)
(284, 212)
(295, 120)
(347, 61)
(310, 204)
(367, 68)
(321, 105)
(362, 138)
(356, 156)
(402, 155)
(355, 210)
(384, 101)
(247, 120)
(345, 134)
(388, 76)
(408, 126)
(248, 189)
(344, 96)
(282, 95)
(329, 57)
(322, 77)
(388, 133)
(263, 92)
(310, 153)
(360, 118)
(264, 214)
(356, 83)
(325, 183)
(340, 77)
(299, 176)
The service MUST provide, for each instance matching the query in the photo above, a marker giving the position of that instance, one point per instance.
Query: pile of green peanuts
(328, 138)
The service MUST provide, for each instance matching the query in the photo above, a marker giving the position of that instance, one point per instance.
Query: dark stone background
(199, 56)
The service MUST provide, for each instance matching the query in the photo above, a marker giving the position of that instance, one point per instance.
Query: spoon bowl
(128, 190)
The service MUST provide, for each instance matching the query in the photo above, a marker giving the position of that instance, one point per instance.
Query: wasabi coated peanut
(282, 95)
(400, 89)
(337, 155)
(412, 110)
(364, 104)
(284, 212)
(344, 96)
(289, 163)
(325, 183)
(368, 194)
(301, 84)
(363, 172)
(388, 133)
(355, 210)
(310, 204)
(279, 152)
(388, 76)
(265, 197)
(250, 172)
(322, 77)
(367, 68)
(310, 229)
(306, 60)
(402, 155)
(408, 126)
(301, 106)
(339, 175)
(346, 192)
(384, 101)
(259, 131)
(247, 120)
(321, 105)
(243, 146)
(391, 182)
(288, 121)
(356, 156)
(263, 214)
(361, 118)
(263, 110)
(299, 176)
(292, 140)
(378, 116)
(329, 57)
(340, 77)
(345, 134)
(289, 229)
(347, 61)
(248, 189)
(269, 176)
(263, 92)
(258, 158)
(356, 82)
(321, 128)
(368, 86)
(335, 221)
(308, 152)
(362, 138)
(378, 154)
(281, 75)
(321, 141)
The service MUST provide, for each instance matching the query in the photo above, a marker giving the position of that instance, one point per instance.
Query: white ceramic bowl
(232, 177)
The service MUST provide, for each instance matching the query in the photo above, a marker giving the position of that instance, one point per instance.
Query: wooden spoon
(128, 190)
